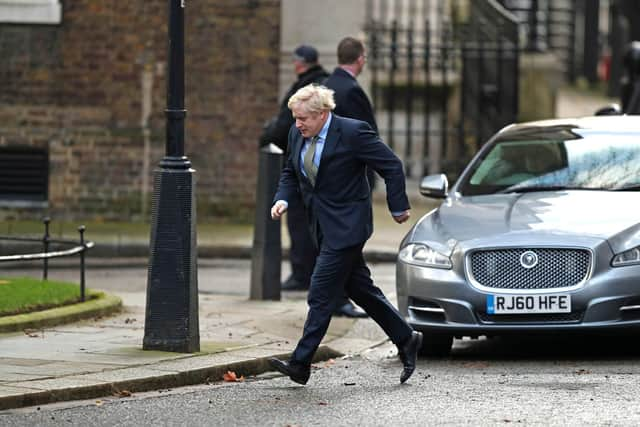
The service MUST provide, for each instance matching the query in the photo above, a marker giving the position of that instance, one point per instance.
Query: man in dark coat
(308, 70)
(302, 253)
(351, 101)
(326, 164)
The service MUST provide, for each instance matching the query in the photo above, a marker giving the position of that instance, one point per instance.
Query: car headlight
(420, 254)
(630, 257)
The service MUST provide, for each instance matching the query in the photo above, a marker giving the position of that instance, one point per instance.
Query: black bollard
(266, 258)
(630, 97)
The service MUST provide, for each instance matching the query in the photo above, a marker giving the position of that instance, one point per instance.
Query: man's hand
(401, 218)
(278, 209)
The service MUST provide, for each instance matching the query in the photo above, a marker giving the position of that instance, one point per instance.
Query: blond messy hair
(313, 98)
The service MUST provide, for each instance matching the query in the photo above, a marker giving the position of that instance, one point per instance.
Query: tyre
(436, 345)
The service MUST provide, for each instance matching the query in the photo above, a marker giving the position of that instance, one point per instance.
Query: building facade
(83, 93)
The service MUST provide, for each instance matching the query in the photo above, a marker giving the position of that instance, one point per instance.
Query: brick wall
(93, 90)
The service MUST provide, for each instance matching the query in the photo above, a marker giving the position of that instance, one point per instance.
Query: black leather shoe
(295, 372)
(293, 284)
(349, 310)
(409, 354)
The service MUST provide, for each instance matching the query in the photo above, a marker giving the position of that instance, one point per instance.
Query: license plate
(526, 304)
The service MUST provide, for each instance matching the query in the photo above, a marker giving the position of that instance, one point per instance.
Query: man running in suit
(328, 156)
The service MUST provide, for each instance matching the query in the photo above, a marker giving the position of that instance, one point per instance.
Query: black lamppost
(171, 320)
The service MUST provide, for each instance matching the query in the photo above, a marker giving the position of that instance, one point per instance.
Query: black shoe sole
(283, 370)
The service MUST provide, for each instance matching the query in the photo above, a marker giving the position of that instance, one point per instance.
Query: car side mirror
(435, 186)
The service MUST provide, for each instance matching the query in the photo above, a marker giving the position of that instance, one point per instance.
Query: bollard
(45, 248)
(630, 97)
(84, 248)
(266, 255)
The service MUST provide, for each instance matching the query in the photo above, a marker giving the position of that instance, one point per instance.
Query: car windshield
(580, 159)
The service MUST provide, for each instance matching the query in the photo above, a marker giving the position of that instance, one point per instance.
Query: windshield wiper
(533, 189)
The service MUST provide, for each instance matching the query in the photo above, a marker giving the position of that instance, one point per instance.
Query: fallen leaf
(329, 363)
(123, 393)
(231, 376)
(582, 372)
(323, 403)
(32, 333)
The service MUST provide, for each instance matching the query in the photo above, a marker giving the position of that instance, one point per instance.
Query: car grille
(556, 268)
(576, 316)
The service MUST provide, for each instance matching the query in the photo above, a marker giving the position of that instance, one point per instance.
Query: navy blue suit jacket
(351, 101)
(339, 205)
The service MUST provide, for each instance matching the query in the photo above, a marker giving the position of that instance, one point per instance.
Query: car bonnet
(581, 218)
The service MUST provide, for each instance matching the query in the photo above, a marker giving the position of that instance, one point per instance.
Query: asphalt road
(226, 276)
(527, 382)
(223, 276)
(554, 380)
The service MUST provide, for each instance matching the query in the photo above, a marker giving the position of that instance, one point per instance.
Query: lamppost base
(171, 319)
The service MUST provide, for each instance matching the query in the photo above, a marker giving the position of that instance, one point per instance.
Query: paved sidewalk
(104, 357)
(571, 102)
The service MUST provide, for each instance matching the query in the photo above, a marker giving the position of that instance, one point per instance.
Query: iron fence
(444, 77)
(72, 248)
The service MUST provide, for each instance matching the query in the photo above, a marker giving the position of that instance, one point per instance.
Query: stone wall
(93, 92)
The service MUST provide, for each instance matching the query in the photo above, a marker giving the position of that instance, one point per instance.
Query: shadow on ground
(548, 347)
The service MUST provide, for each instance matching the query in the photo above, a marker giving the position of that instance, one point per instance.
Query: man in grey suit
(326, 164)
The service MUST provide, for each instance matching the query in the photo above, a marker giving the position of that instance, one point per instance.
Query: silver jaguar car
(541, 233)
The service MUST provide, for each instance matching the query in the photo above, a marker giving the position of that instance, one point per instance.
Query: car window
(589, 160)
(510, 163)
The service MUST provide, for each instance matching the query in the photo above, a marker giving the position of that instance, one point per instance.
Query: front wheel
(436, 345)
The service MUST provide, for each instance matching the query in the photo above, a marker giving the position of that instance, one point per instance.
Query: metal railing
(443, 86)
(76, 248)
(552, 26)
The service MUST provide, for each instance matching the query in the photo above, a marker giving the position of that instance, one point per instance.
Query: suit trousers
(335, 272)
(302, 253)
